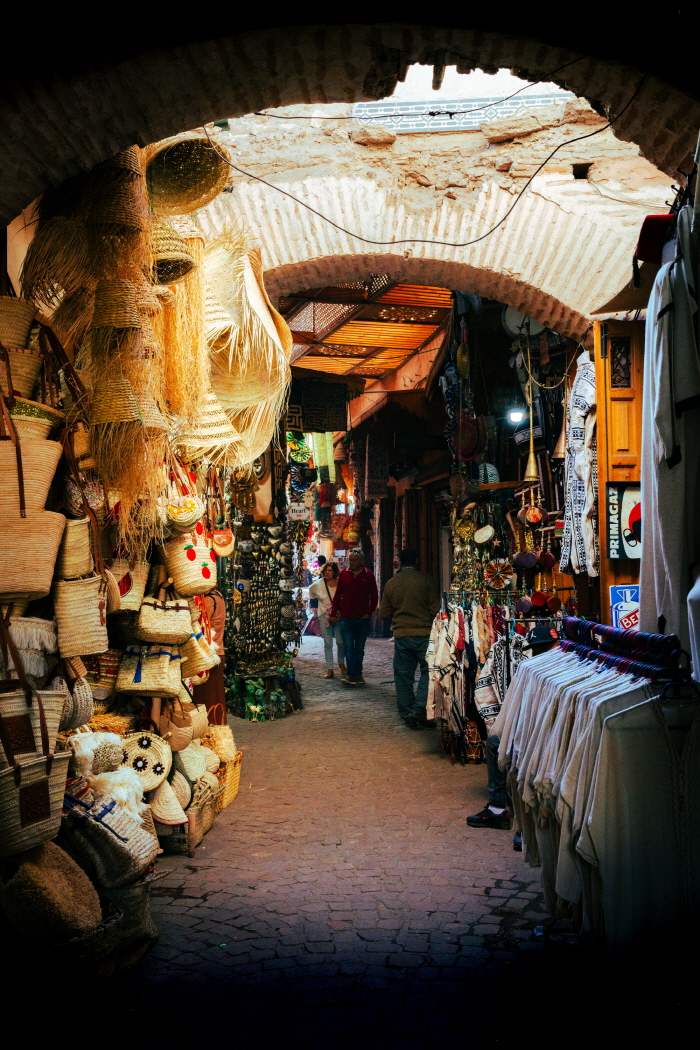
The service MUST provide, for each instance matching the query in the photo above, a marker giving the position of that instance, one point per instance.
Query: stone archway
(65, 109)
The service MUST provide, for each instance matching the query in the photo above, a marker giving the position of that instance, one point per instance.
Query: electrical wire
(433, 112)
(426, 240)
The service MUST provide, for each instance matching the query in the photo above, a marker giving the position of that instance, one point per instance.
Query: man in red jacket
(354, 602)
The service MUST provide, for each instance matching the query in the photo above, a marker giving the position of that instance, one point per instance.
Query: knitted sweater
(411, 602)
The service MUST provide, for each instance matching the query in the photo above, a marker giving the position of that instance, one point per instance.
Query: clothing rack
(657, 657)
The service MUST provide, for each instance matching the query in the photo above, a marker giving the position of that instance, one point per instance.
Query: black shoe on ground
(349, 681)
(487, 819)
(414, 723)
(518, 842)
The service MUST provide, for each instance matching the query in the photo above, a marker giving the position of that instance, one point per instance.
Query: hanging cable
(426, 240)
(433, 112)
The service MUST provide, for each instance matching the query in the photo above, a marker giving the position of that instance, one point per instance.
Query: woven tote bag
(108, 842)
(176, 726)
(80, 607)
(28, 555)
(39, 462)
(191, 565)
(79, 706)
(28, 719)
(164, 620)
(75, 554)
(195, 658)
(131, 578)
(30, 802)
(146, 670)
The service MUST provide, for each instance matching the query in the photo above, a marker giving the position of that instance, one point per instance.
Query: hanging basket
(39, 462)
(167, 621)
(172, 259)
(191, 565)
(185, 173)
(131, 578)
(150, 670)
(28, 554)
(16, 316)
(229, 776)
(75, 555)
(25, 366)
(23, 721)
(80, 607)
(115, 305)
(196, 657)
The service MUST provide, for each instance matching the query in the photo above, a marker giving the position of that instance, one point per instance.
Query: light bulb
(516, 415)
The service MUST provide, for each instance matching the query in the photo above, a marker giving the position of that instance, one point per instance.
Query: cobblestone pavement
(343, 884)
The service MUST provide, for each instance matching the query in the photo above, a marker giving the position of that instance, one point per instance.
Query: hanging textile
(579, 545)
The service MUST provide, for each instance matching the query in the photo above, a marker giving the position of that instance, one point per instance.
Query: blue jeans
(331, 631)
(409, 653)
(498, 780)
(354, 630)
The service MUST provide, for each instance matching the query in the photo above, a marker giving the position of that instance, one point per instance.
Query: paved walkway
(343, 885)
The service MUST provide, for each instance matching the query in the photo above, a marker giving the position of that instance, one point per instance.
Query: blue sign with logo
(624, 606)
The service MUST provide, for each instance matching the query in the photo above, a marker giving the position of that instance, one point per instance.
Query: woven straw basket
(115, 305)
(14, 706)
(114, 855)
(80, 607)
(131, 581)
(148, 669)
(172, 259)
(164, 621)
(16, 316)
(229, 776)
(28, 554)
(190, 565)
(196, 657)
(34, 421)
(39, 462)
(25, 819)
(185, 173)
(25, 366)
(113, 401)
(74, 555)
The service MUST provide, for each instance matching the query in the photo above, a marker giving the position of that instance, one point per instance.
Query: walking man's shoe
(360, 681)
(486, 818)
(343, 669)
(415, 723)
(349, 681)
(328, 674)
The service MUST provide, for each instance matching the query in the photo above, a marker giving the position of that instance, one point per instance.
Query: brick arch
(551, 264)
(66, 108)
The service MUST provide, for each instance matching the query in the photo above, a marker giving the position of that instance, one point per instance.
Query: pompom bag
(190, 564)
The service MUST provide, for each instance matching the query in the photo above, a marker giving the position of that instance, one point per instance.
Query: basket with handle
(191, 564)
(32, 784)
(148, 670)
(131, 577)
(219, 531)
(75, 555)
(80, 607)
(108, 842)
(164, 618)
(229, 776)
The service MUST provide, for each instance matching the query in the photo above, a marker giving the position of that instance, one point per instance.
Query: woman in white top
(321, 594)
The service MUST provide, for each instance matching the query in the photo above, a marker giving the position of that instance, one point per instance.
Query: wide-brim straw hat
(115, 305)
(172, 260)
(16, 316)
(165, 806)
(185, 172)
(193, 760)
(34, 421)
(182, 788)
(150, 756)
(211, 434)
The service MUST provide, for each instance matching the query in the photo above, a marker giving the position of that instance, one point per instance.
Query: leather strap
(67, 440)
(73, 380)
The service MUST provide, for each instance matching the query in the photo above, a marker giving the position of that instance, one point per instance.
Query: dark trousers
(498, 780)
(409, 654)
(354, 630)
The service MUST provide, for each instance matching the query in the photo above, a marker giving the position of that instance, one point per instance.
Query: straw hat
(185, 173)
(211, 435)
(172, 259)
(182, 788)
(165, 807)
(194, 760)
(150, 756)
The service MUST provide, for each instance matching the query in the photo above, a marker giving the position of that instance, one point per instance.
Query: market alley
(343, 877)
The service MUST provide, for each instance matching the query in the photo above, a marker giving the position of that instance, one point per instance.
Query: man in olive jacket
(411, 602)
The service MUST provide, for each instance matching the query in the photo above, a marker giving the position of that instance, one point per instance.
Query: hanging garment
(579, 545)
(670, 449)
(642, 827)
(492, 679)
